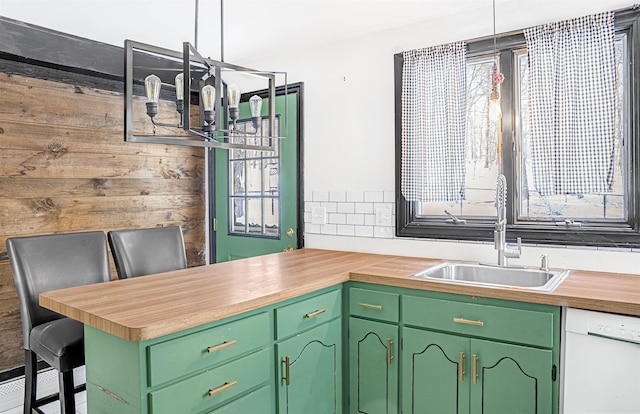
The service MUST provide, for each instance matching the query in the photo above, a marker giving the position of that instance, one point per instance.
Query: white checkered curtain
(572, 90)
(434, 104)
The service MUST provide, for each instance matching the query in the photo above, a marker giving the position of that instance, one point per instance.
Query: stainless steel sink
(481, 274)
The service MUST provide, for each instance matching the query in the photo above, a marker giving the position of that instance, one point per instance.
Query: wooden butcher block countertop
(151, 306)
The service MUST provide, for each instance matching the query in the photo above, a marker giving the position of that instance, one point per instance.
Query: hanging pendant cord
(195, 34)
(494, 32)
(221, 30)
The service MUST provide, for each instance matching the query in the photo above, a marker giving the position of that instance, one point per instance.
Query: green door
(256, 192)
(310, 379)
(373, 367)
(511, 379)
(435, 373)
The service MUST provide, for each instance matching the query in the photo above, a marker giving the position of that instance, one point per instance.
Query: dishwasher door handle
(613, 338)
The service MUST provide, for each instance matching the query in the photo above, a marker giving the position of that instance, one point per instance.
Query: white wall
(349, 129)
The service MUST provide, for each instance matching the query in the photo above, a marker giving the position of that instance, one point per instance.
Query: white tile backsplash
(308, 205)
(364, 231)
(351, 213)
(369, 219)
(356, 219)
(320, 196)
(331, 207)
(355, 196)
(338, 196)
(311, 228)
(384, 232)
(374, 196)
(346, 230)
(364, 208)
(346, 208)
(337, 218)
(329, 229)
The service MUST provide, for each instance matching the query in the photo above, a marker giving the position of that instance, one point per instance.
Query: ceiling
(253, 29)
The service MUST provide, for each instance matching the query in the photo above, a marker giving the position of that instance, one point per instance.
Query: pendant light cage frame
(188, 128)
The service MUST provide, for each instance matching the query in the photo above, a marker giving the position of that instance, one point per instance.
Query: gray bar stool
(140, 252)
(44, 263)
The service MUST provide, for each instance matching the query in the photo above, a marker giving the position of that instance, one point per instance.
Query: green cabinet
(373, 351)
(373, 367)
(231, 366)
(310, 371)
(397, 351)
(510, 378)
(200, 370)
(255, 402)
(309, 355)
(213, 387)
(435, 373)
(458, 354)
(446, 373)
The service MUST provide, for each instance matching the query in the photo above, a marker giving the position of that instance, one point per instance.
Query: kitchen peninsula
(138, 331)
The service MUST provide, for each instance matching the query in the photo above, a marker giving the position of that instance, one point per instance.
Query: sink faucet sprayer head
(501, 196)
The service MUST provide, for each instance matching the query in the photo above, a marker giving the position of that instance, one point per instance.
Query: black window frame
(627, 235)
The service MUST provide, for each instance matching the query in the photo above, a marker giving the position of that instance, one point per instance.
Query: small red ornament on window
(498, 77)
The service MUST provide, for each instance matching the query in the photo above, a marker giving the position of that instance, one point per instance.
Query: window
(254, 187)
(605, 219)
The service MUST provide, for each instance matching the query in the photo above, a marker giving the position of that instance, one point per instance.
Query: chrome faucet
(505, 250)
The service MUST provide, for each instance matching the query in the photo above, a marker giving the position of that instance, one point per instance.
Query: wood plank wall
(64, 167)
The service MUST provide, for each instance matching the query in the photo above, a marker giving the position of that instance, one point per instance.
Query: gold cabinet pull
(389, 356)
(288, 249)
(461, 367)
(468, 322)
(315, 313)
(369, 306)
(475, 368)
(223, 345)
(286, 376)
(225, 387)
(290, 232)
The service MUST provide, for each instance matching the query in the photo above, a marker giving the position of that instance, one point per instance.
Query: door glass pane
(238, 217)
(254, 176)
(237, 170)
(254, 193)
(254, 215)
(605, 206)
(271, 223)
(270, 176)
(481, 149)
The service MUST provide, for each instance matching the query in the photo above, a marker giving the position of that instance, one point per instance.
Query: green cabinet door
(511, 379)
(439, 371)
(310, 371)
(435, 373)
(373, 367)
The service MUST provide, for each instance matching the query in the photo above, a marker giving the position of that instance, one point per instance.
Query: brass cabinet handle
(389, 356)
(225, 387)
(461, 367)
(290, 232)
(223, 345)
(315, 313)
(369, 306)
(468, 322)
(287, 373)
(475, 368)
(288, 249)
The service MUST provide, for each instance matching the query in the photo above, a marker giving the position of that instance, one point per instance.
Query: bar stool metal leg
(30, 380)
(67, 397)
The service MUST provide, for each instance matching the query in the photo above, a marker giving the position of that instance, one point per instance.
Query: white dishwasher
(601, 363)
